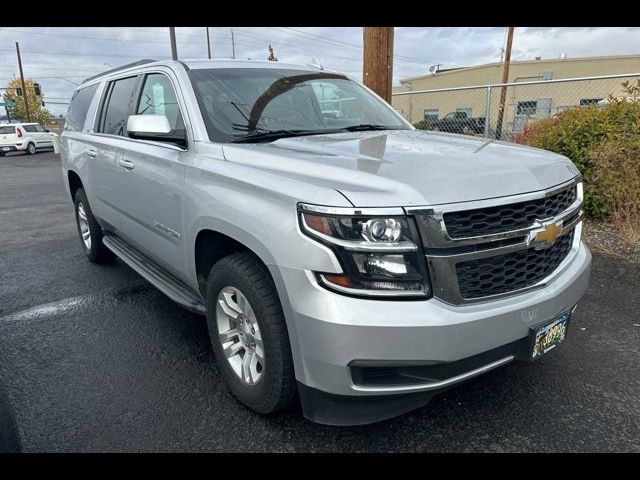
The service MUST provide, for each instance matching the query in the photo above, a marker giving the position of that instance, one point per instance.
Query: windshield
(243, 104)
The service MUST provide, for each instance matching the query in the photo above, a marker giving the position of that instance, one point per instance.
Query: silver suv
(340, 256)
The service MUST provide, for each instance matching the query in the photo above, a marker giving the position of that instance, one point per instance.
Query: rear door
(110, 140)
(43, 138)
(8, 137)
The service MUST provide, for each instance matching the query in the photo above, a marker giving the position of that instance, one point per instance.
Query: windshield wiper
(365, 126)
(271, 135)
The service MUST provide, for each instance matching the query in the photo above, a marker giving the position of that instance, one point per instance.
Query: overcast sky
(72, 54)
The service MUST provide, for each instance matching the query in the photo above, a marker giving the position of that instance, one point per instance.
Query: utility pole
(174, 48)
(233, 45)
(208, 43)
(24, 88)
(377, 71)
(505, 79)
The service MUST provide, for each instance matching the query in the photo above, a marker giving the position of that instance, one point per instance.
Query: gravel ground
(603, 237)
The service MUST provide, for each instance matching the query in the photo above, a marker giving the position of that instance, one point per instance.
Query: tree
(38, 113)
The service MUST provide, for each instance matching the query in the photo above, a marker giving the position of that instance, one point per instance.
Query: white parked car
(29, 137)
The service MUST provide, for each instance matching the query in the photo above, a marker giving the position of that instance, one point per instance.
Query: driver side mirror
(154, 127)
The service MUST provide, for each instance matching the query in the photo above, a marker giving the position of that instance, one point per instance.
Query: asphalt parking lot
(96, 359)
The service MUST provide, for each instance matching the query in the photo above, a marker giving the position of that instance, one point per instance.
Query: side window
(115, 111)
(79, 107)
(159, 98)
(29, 128)
(40, 129)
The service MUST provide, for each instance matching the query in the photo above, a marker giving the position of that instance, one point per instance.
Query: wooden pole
(377, 73)
(174, 47)
(505, 79)
(233, 45)
(24, 87)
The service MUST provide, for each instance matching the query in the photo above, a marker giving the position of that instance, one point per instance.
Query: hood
(408, 167)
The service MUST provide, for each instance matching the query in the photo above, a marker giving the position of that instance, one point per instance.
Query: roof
(518, 62)
(197, 64)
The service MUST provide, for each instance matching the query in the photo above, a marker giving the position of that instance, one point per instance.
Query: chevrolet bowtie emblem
(546, 235)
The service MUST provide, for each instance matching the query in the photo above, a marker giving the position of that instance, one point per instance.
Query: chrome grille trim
(438, 245)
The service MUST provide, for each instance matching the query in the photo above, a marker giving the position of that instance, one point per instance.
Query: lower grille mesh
(512, 271)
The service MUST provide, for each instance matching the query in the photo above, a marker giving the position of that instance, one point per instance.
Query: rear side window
(7, 130)
(117, 106)
(30, 128)
(79, 107)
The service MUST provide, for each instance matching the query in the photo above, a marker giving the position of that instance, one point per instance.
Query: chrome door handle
(128, 164)
(91, 153)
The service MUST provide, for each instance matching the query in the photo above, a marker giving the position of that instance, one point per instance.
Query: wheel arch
(74, 182)
(209, 229)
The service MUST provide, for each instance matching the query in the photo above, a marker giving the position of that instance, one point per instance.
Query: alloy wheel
(85, 231)
(239, 334)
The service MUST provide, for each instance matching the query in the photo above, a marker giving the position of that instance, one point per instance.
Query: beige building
(523, 102)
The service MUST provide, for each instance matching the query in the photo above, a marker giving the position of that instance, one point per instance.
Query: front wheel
(248, 333)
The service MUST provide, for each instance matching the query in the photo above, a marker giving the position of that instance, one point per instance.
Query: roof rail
(117, 69)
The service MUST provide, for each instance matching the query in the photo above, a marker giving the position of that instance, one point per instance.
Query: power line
(358, 47)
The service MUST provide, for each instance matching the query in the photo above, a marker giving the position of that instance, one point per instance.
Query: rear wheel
(31, 149)
(90, 231)
(248, 333)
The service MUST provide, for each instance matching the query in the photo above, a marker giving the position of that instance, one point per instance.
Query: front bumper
(330, 333)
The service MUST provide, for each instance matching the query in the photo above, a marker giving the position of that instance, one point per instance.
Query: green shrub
(593, 138)
(616, 179)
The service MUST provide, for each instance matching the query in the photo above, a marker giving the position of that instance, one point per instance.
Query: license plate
(547, 337)
(5, 149)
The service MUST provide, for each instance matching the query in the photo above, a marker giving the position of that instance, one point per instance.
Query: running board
(173, 288)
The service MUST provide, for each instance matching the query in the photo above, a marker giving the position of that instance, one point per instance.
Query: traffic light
(19, 91)
(36, 87)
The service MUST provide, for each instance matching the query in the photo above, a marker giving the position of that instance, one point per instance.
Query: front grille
(490, 220)
(512, 271)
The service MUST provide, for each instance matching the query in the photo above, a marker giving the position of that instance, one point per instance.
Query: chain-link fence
(475, 110)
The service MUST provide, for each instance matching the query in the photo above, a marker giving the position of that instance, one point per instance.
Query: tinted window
(116, 110)
(30, 128)
(79, 107)
(7, 130)
(159, 98)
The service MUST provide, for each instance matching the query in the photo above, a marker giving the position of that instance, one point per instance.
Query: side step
(173, 288)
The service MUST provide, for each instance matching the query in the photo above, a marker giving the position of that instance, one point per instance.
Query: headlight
(379, 253)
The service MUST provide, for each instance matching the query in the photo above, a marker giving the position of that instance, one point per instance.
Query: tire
(31, 149)
(92, 246)
(9, 436)
(275, 389)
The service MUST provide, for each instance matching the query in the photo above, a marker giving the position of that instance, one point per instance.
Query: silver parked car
(337, 252)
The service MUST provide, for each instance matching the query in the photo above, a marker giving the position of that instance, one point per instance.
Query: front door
(154, 171)
(145, 184)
